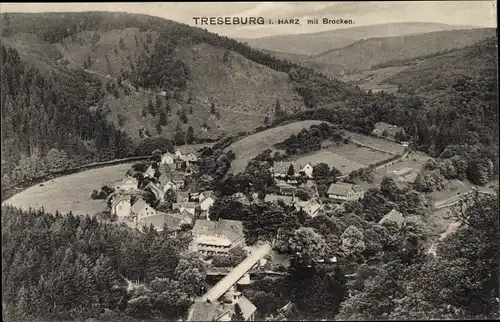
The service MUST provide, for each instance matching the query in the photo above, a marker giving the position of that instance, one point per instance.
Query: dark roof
(232, 229)
(282, 167)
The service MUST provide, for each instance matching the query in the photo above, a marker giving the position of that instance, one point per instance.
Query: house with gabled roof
(188, 206)
(179, 180)
(311, 206)
(172, 222)
(341, 191)
(155, 189)
(166, 183)
(307, 170)
(127, 184)
(288, 200)
(182, 196)
(121, 207)
(191, 158)
(217, 237)
(141, 209)
(150, 172)
(224, 309)
(393, 216)
(206, 201)
(280, 169)
(168, 158)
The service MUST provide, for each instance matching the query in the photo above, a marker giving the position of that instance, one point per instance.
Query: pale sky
(465, 13)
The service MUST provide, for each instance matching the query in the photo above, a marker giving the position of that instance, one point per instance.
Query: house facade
(141, 209)
(206, 203)
(307, 170)
(168, 158)
(173, 222)
(127, 184)
(185, 206)
(340, 192)
(311, 207)
(280, 169)
(217, 237)
(121, 208)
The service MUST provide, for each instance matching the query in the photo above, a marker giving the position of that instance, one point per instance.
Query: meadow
(250, 146)
(71, 192)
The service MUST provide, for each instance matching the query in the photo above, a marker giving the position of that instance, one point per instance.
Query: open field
(359, 154)
(344, 165)
(71, 192)
(412, 164)
(376, 143)
(250, 146)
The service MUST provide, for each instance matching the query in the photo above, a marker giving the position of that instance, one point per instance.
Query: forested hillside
(47, 123)
(64, 267)
(458, 118)
(438, 72)
(86, 87)
(364, 54)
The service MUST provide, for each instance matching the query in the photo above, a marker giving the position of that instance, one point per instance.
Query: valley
(342, 175)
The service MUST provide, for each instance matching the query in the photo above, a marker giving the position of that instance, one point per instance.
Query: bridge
(236, 273)
(223, 271)
(204, 308)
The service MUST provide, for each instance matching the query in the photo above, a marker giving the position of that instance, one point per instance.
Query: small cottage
(307, 170)
(168, 158)
(121, 207)
(393, 216)
(141, 209)
(340, 192)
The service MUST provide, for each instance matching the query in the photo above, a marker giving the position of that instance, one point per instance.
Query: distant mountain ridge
(315, 43)
(364, 54)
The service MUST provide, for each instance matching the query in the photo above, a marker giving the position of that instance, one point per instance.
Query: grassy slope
(250, 146)
(71, 192)
(365, 53)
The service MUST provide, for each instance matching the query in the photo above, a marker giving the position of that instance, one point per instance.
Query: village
(180, 207)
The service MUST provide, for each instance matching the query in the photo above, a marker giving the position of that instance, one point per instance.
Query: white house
(307, 169)
(150, 172)
(341, 192)
(141, 209)
(191, 157)
(126, 184)
(207, 202)
(166, 183)
(121, 207)
(188, 206)
(157, 191)
(179, 155)
(168, 158)
(217, 237)
(311, 206)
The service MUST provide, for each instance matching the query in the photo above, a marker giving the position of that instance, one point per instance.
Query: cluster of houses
(289, 177)
(190, 209)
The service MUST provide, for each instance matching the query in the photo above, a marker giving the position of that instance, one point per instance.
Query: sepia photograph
(250, 161)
